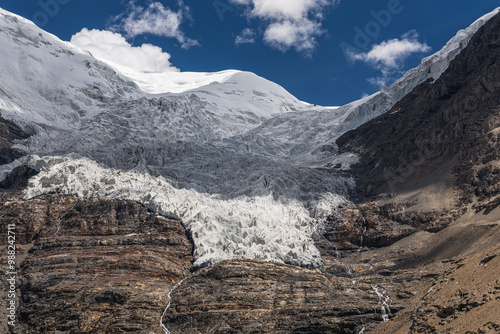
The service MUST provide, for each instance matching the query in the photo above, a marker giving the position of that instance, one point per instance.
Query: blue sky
(299, 44)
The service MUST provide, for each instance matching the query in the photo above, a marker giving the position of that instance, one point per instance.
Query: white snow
(251, 170)
(45, 82)
(171, 82)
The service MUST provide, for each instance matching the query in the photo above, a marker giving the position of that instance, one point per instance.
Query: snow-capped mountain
(251, 170)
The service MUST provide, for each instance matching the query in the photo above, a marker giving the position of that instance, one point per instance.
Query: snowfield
(252, 171)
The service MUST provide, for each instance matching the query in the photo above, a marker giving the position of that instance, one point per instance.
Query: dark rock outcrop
(17, 179)
(9, 132)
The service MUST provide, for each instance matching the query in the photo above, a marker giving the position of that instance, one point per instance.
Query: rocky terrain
(92, 266)
(417, 253)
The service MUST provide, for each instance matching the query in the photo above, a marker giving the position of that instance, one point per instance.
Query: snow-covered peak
(233, 92)
(48, 83)
(439, 62)
(171, 82)
(55, 84)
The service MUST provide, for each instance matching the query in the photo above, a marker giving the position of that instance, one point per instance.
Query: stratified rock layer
(244, 296)
(93, 266)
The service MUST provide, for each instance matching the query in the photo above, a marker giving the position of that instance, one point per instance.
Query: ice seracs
(258, 227)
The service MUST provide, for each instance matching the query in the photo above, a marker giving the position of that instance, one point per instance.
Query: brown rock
(93, 266)
(259, 297)
(466, 299)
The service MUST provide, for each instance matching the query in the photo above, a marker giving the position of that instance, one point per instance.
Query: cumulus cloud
(392, 54)
(154, 19)
(300, 35)
(113, 47)
(389, 56)
(247, 36)
(289, 23)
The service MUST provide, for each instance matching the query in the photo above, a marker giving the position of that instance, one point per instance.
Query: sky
(326, 52)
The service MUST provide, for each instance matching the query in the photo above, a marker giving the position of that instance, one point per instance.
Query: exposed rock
(245, 296)
(18, 179)
(9, 132)
(93, 266)
(437, 152)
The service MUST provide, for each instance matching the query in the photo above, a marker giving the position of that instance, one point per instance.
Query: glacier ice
(257, 227)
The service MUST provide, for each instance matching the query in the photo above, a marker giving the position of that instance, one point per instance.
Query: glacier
(259, 227)
(250, 170)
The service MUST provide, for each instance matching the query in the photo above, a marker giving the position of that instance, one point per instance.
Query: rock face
(93, 266)
(8, 133)
(380, 225)
(434, 153)
(431, 165)
(259, 297)
(106, 266)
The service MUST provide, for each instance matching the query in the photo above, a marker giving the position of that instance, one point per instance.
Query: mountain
(235, 142)
(184, 137)
(218, 202)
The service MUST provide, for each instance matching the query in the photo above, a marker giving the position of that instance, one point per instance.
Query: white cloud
(285, 9)
(282, 35)
(289, 23)
(154, 19)
(389, 56)
(247, 36)
(114, 48)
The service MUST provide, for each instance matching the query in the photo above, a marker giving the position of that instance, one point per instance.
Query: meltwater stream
(384, 302)
(164, 328)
